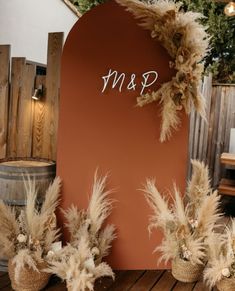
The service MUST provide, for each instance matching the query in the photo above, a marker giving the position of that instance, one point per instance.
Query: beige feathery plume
(228, 238)
(102, 270)
(170, 118)
(8, 224)
(208, 214)
(84, 248)
(213, 271)
(75, 219)
(9, 230)
(100, 205)
(187, 42)
(179, 209)
(77, 267)
(162, 214)
(199, 185)
(51, 198)
(106, 237)
(214, 244)
(169, 249)
(196, 247)
(30, 210)
(7, 247)
(38, 222)
(141, 11)
(221, 255)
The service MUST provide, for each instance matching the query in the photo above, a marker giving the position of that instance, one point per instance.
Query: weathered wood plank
(191, 143)
(201, 286)
(147, 281)
(25, 117)
(2, 274)
(55, 42)
(4, 281)
(20, 113)
(196, 135)
(232, 92)
(106, 282)
(211, 128)
(228, 118)
(57, 287)
(208, 93)
(215, 126)
(4, 91)
(180, 286)
(127, 280)
(17, 74)
(202, 121)
(39, 115)
(220, 141)
(166, 282)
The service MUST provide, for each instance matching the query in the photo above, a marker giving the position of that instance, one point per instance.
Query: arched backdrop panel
(108, 131)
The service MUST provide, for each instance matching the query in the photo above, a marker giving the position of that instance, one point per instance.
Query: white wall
(25, 24)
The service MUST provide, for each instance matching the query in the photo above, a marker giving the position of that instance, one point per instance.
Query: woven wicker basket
(226, 284)
(184, 271)
(29, 280)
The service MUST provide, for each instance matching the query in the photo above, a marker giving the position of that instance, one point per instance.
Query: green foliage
(220, 60)
(85, 5)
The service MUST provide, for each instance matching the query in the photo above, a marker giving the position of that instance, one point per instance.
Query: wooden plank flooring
(154, 280)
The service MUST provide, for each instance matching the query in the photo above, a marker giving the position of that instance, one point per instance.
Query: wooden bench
(227, 159)
(227, 187)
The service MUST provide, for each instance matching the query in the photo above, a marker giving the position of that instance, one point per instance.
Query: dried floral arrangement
(80, 262)
(185, 225)
(26, 239)
(187, 43)
(220, 270)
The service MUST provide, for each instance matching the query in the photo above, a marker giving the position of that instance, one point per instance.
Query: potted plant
(79, 263)
(185, 225)
(220, 269)
(27, 237)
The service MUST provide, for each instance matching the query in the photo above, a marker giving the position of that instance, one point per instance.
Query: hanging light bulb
(229, 9)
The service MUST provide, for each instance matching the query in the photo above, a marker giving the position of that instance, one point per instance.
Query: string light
(229, 9)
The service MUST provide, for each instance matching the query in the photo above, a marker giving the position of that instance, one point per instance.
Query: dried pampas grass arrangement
(76, 266)
(80, 262)
(185, 227)
(187, 43)
(26, 238)
(220, 270)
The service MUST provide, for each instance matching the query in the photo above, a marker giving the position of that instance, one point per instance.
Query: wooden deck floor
(126, 280)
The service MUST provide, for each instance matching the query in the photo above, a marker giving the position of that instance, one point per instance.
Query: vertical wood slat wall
(28, 128)
(4, 91)
(209, 138)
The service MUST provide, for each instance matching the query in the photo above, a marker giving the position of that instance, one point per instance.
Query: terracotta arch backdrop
(108, 131)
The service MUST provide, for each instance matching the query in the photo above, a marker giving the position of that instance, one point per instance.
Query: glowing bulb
(229, 9)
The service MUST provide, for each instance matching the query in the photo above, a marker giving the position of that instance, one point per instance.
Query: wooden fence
(209, 138)
(28, 128)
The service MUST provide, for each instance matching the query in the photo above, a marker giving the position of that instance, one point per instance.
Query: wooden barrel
(12, 188)
(14, 171)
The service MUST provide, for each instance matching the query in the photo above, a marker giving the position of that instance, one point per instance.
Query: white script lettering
(148, 79)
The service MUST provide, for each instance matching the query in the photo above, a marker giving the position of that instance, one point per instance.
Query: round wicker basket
(185, 271)
(226, 284)
(29, 280)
